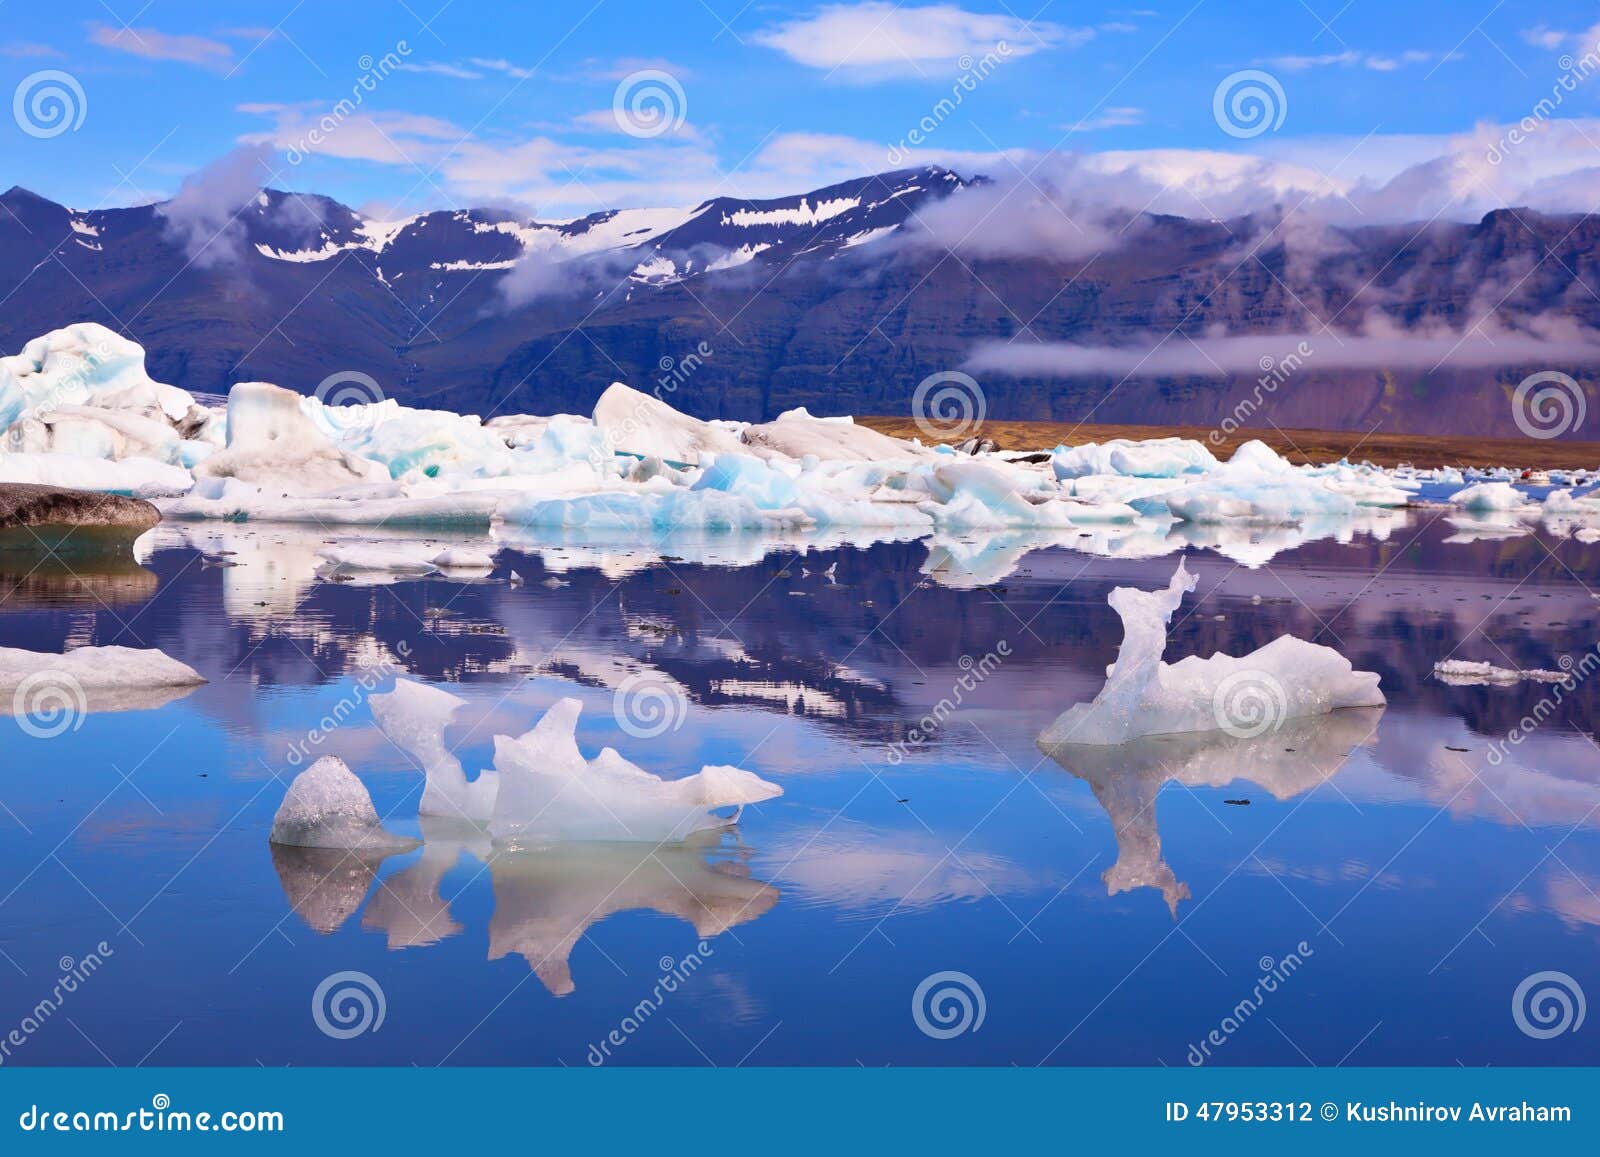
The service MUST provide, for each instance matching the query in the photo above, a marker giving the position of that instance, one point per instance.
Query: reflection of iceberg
(325, 886)
(409, 906)
(1249, 694)
(547, 898)
(542, 787)
(1297, 757)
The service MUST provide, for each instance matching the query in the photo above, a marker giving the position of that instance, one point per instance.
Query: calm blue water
(1112, 910)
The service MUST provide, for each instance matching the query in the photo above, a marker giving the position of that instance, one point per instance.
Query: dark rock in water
(52, 518)
(1237, 802)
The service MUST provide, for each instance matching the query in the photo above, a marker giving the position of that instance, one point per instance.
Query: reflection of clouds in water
(864, 870)
(1570, 896)
(1551, 778)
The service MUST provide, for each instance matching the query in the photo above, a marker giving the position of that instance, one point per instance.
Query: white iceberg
(273, 445)
(1245, 696)
(55, 690)
(542, 788)
(1492, 498)
(328, 807)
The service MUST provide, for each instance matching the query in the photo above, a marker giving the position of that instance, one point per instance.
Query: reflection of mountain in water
(864, 651)
(1126, 779)
(546, 898)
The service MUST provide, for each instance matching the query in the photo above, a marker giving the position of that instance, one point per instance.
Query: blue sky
(476, 104)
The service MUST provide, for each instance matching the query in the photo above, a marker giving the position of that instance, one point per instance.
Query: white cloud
(153, 45)
(878, 39)
(1371, 61)
(1115, 117)
(440, 68)
(1543, 36)
(1390, 348)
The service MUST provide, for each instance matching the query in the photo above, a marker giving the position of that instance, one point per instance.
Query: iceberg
(274, 446)
(56, 689)
(1245, 696)
(326, 806)
(543, 788)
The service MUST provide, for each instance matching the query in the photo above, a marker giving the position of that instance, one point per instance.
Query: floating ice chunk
(464, 558)
(414, 717)
(980, 495)
(328, 807)
(1466, 673)
(1492, 497)
(548, 791)
(79, 364)
(1152, 458)
(796, 434)
(96, 668)
(762, 483)
(635, 423)
(644, 511)
(1247, 695)
(401, 558)
(138, 477)
(273, 445)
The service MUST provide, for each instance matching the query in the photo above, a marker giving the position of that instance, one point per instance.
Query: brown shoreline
(1300, 446)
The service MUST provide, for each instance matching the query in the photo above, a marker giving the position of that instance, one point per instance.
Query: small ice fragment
(328, 807)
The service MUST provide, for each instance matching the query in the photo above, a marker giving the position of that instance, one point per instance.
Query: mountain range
(840, 299)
